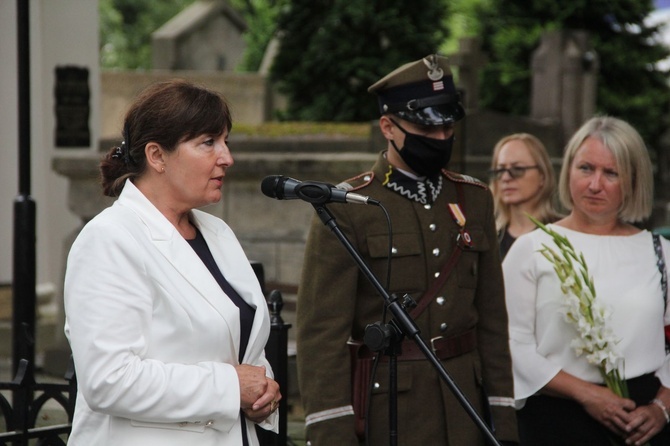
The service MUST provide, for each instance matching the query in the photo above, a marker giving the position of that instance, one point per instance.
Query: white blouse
(627, 280)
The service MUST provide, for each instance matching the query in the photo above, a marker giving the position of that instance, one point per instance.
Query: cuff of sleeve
(502, 401)
(663, 374)
(331, 432)
(271, 423)
(328, 414)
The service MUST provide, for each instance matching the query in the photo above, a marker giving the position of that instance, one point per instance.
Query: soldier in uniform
(443, 226)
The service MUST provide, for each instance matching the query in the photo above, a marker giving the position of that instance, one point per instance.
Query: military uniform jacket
(336, 302)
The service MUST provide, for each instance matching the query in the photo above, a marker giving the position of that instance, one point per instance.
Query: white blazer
(153, 336)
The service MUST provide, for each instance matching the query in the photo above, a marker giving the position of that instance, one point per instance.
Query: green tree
(630, 85)
(332, 50)
(261, 16)
(462, 22)
(126, 27)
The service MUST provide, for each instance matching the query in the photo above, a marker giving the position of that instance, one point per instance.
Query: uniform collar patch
(424, 192)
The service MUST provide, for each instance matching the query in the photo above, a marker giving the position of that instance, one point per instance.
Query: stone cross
(565, 69)
(468, 61)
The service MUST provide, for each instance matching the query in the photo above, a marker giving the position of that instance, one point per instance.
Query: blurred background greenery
(332, 50)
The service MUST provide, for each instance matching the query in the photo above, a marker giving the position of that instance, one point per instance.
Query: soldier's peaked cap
(422, 92)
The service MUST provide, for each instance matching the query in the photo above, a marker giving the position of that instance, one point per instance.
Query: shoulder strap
(660, 262)
(446, 269)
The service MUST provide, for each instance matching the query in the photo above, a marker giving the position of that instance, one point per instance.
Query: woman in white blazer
(164, 314)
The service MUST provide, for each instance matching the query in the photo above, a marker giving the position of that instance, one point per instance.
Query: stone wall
(248, 93)
(272, 231)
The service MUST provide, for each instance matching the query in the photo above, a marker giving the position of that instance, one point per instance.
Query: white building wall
(63, 32)
(9, 131)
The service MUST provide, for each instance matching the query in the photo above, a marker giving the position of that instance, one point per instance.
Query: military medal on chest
(463, 238)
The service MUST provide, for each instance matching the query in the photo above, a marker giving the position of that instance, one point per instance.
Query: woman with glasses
(522, 183)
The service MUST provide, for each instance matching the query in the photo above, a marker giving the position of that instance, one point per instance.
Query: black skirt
(551, 421)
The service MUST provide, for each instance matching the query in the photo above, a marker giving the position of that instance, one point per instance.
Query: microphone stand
(401, 325)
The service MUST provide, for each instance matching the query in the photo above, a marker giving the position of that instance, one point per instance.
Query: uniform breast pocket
(408, 272)
(468, 265)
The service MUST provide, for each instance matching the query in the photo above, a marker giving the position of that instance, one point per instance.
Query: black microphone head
(279, 187)
(269, 186)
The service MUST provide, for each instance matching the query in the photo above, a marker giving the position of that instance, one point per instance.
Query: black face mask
(425, 156)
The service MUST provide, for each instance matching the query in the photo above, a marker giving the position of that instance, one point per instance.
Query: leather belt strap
(444, 348)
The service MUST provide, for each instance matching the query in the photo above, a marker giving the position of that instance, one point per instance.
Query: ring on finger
(273, 405)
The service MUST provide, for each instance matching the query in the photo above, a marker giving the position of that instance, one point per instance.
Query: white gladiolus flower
(584, 312)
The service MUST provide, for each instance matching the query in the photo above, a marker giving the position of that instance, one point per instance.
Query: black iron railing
(29, 398)
(276, 351)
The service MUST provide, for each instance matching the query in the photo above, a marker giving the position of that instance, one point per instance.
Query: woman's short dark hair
(166, 113)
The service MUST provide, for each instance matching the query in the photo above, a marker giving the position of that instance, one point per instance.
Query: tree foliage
(332, 50)
(260, 16)
(463, 21)
(630, 85)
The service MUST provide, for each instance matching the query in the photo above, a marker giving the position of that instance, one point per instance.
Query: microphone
(315, 192)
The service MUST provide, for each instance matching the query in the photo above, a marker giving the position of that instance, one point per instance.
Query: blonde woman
(606, 183)
(522, 183)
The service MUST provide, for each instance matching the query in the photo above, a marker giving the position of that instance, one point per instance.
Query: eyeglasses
(515, 172)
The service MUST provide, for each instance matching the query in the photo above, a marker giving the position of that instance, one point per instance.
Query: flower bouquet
(583, 311)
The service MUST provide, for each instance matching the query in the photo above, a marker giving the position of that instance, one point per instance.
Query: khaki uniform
(336, 302)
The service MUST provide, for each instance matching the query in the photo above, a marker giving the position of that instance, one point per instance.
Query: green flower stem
(573, 273)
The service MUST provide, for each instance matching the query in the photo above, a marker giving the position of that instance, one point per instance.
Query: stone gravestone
(565, 70)
(469, 59)
(207, 35)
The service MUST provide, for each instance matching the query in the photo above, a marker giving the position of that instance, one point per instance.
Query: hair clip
(118, 153)
(121, 152)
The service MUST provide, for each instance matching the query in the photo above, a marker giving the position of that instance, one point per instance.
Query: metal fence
(28, 400)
